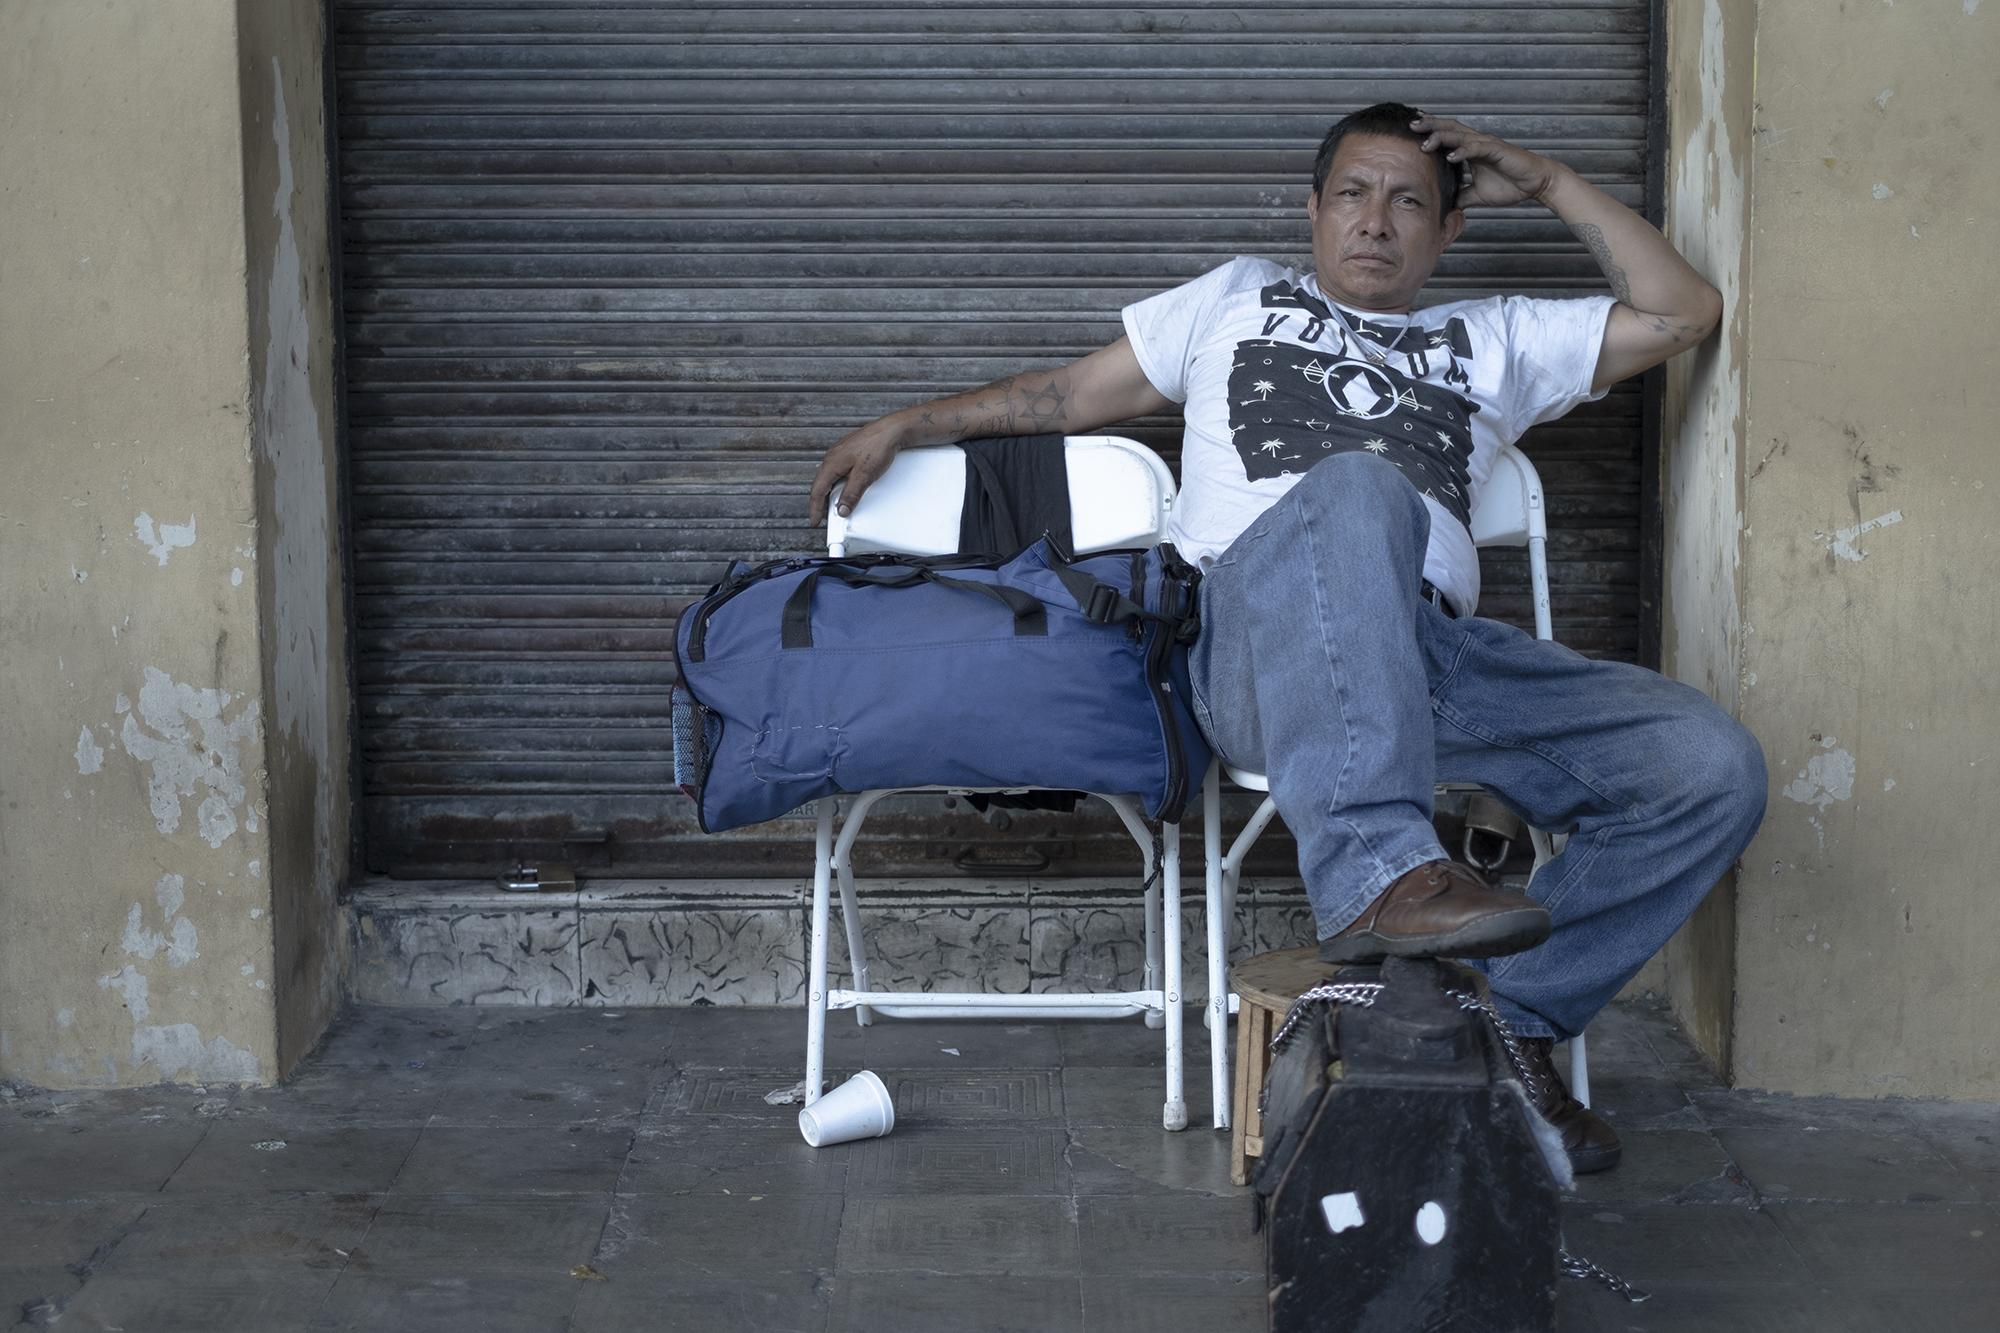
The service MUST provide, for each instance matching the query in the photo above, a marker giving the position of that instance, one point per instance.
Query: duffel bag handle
(1030, 616)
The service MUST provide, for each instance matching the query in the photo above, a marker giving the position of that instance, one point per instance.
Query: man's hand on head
(1492, 171)
(1661, 305)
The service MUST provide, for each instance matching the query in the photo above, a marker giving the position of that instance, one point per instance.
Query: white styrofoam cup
(858, 1109)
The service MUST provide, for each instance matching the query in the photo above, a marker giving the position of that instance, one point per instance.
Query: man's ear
(1312, 208)
(1454, 223)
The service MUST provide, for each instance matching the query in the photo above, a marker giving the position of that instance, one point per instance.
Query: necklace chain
(1381, 352)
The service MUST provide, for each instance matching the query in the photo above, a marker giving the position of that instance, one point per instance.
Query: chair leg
(1151, 979)
(1579, 1070)
(1175, 1113)
(1218, 919)
(1232, 864)
(816, 978)
(857, 953)
(1135, 824)
(850, 911)
(1213, 873)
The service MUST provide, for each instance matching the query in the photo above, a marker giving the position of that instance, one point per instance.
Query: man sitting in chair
(1335, 437)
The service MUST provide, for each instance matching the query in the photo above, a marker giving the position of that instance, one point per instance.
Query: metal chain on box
(1364, 993)
(1572, 1266)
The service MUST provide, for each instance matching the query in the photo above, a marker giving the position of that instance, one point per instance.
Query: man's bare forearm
(1075, 399)
(1643, 269)
(1034, 402)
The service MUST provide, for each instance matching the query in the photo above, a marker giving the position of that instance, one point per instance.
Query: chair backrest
(1120, 494)
(1509, 507)
(1510, 512)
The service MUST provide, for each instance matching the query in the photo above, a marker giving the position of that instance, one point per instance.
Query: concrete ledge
(650, 942)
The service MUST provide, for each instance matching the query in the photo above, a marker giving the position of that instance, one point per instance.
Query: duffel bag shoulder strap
(1031, 618)
(1103, 604)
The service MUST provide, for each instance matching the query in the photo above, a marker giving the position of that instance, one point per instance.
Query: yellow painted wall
(152, 890)
(1868, 933)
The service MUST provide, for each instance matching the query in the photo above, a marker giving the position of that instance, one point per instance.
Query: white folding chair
(1507, 512)
(1121, 494)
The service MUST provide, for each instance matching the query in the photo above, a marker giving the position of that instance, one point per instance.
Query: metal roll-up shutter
(615, 275)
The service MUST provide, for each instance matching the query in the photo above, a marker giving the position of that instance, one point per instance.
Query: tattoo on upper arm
(1621, 287)
(1592, 235)
(1680, 333)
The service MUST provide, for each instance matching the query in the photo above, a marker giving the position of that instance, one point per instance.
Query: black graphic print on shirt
(1302, 392)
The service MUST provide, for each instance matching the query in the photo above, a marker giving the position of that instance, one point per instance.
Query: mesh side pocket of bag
(693, 747)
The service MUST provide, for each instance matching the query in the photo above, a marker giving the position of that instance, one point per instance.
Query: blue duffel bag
(806, 677)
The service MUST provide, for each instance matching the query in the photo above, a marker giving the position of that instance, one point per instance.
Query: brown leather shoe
(1440, 910)
(1591, 1144)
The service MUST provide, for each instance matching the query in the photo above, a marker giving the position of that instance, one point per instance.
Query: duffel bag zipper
(702, 711)
(1156, 680)
(697, 639)
(770, 569)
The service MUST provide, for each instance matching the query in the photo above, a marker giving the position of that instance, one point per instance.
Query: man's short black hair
(1389, 120)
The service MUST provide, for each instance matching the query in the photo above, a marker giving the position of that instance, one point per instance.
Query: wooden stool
(1267, 985)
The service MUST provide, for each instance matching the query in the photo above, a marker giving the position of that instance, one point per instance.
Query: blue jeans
(1322, 667)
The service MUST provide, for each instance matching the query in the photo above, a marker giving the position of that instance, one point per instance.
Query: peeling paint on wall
(190, 745)
(1842, 544)
(178, 1049)
(170, 893)
(165, 538)
(130, 983)
(179, 939)
(89, 754)
(1827, 777)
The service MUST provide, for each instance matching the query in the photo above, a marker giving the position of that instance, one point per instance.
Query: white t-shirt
(1272, 385)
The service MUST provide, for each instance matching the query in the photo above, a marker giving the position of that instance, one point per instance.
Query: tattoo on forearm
(1009, 407)
(1592, 235)
(1047, 406)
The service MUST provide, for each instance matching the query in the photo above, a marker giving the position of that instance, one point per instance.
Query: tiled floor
(495, 1169)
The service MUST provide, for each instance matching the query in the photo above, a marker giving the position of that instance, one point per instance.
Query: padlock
(524, 878)
(1490, 831)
